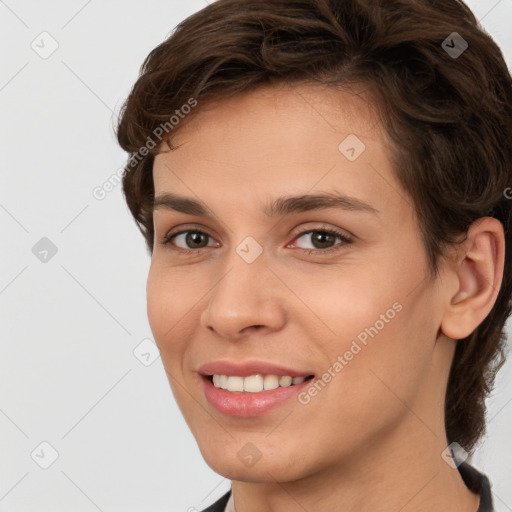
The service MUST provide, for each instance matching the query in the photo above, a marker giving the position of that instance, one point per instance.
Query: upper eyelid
(295, 232)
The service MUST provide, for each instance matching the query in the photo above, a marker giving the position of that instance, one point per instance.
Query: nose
(248, 298)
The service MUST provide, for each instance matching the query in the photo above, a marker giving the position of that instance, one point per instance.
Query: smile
(255, 383)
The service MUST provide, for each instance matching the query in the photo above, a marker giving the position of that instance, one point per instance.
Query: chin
(244, 462)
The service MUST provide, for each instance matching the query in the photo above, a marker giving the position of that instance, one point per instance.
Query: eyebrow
(280, 206)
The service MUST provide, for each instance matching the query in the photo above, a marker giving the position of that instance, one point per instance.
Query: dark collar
(220, 504)
(479, 483)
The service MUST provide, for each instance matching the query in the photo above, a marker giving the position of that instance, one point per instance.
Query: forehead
(273, 140)
(276, 110)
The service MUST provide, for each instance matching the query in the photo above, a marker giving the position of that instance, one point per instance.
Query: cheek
(157, 305)
(379, 328)
(170, 313)
(348, 302)
(169, 303)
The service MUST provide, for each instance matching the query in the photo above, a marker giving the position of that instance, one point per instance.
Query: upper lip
(249, 368)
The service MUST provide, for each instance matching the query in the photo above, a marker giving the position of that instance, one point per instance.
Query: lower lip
(244, 404)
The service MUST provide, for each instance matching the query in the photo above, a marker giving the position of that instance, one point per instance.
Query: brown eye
(195, 239)
(322, 240)
(187, 240)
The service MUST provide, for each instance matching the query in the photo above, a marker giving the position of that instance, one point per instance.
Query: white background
(68, 328)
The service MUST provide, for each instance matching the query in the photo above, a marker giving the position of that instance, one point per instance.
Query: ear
(477, 276)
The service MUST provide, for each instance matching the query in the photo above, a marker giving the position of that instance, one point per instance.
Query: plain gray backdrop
(87, 418)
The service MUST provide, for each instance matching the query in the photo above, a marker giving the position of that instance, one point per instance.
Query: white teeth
(285, 381)
(271, 382)
(254, 383)
(235, 384)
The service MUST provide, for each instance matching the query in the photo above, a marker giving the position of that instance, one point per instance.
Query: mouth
(257, 383)
(250, 388)
(251, 396)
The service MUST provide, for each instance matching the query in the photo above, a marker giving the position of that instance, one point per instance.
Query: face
(329, 289)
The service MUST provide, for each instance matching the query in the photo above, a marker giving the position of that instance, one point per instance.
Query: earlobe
(478, 274)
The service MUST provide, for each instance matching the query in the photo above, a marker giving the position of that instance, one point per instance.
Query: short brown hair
(449, 118)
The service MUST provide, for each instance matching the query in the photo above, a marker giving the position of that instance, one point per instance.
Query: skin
(379, 424)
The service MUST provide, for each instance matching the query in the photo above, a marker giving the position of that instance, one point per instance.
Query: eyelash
(167, 240)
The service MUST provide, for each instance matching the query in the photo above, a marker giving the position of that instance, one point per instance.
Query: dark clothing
(479, 483)
(474, 480)
(219, 505)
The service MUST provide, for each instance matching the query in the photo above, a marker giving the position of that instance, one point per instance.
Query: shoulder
(220, 504)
